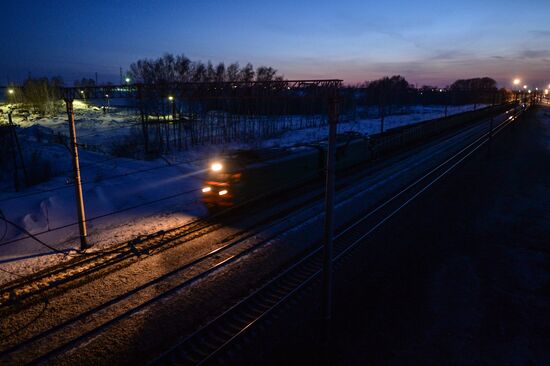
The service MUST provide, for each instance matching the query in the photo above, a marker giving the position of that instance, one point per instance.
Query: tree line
(397, 91)
(179, 68)
(42, 94)
(39, 94)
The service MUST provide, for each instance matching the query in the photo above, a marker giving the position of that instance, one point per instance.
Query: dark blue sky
(426, 41)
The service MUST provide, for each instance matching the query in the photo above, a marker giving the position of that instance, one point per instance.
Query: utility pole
(173, 110)
(329, 220)
(14, 153)
(17, 151)
(77, 181)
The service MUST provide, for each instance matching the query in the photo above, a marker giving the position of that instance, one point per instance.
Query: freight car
(245, 176)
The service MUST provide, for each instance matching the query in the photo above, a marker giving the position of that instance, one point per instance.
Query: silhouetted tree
(233, 72)
(476, 90)
(199, 72)
(220, 72)
(210, 72)
(169, 68)
(183, 68)
(264, 73)
(42, 95)
(247, 73)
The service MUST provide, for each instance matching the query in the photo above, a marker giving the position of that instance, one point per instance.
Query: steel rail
(217, 266)
(163, 358)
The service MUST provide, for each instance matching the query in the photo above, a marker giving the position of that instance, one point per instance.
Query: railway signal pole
(77, 181)
(329, 221)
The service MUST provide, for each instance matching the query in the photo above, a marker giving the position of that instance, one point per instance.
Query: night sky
(426, 41)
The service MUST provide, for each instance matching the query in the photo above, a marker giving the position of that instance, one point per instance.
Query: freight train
(246, 176)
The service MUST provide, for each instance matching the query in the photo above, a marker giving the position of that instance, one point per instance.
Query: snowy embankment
(138, 197)
(368, 126)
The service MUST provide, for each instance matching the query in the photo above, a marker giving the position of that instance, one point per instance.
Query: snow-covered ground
(368, 126)
(115, 184)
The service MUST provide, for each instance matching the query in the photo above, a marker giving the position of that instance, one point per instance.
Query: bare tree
(232, 72)
(264, 73)
(247, 73)
(220, 72)
(198, 71)
(42, 95)
(210, 72)
(183, 68)
(169, 68)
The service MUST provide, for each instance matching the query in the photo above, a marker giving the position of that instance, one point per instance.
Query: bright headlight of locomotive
(216, 166)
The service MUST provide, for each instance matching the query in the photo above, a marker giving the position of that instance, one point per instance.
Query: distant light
(216, 167)
(221, 193)
(82, 92)
(206, 189)
(536, 88)
(529, 91)
(525, 87)
(11, 91)
(517, 81)
(545, 91)
(441, 90)
(127, 80)
(106, 95)
(170, 98)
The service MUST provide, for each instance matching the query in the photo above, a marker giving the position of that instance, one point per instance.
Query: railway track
(57, 279)
(88, 266)
(212, 342)
(84, 265)
(178, 279)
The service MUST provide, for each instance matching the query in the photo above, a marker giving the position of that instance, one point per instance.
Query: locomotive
(245, 176)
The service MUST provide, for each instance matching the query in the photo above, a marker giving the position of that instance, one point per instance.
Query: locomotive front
(220, 185)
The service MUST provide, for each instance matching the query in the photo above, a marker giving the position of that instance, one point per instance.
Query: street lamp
(171, 99)
(127, 80)
(11, 91)
(517, 81)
